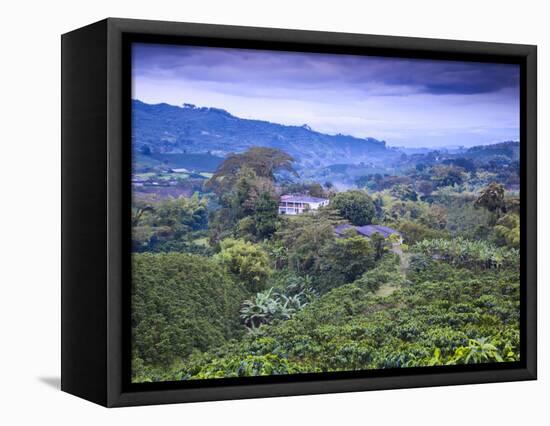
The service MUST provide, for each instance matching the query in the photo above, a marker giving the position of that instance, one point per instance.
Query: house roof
(302, 199)
(368, 230)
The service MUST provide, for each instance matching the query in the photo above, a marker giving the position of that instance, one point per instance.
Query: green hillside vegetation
(167, 129)
(224, 286)
(167, 137)
(181, 303)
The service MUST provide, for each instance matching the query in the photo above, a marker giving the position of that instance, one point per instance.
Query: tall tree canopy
(447, 175)
(248, 262)
(245, 185)
(165, 225)
(355, 206)
(343, 260)
(265, 162)
(491, 197)
(304, 237)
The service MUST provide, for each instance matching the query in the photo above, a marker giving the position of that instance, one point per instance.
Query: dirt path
(389, 288)
(403, 258)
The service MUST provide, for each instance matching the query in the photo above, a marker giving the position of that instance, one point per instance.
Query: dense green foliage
(263, 222)
(344, 260)
(441, 315)
(471, 254)
(247, 197)
(355, 206)
(271, 305)
(263, 162)
(171, 131)
(180, 303)
(507, 230)
(248, 262)
(169, 225)
(302, 241)
(245, 291)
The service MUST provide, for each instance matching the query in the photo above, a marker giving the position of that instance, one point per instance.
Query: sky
(406, 102)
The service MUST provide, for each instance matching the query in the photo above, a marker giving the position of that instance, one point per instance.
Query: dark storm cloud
(467, 78)
(375, 75)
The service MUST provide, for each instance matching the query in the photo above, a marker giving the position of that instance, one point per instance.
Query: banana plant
(478, 351)
(270, 305)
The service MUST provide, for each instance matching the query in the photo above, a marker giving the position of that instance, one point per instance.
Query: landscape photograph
(298, 212)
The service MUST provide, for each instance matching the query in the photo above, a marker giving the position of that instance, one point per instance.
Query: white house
(297, 204)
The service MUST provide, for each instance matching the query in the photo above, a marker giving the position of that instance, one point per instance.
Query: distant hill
(508, 150)
(162, 129)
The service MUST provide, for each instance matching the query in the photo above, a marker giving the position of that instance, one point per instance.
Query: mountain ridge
(169, 129)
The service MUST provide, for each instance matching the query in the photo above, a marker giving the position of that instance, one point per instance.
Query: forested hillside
(225, 286)
(168, 129)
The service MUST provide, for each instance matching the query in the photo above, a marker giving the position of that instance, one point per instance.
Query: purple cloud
(405, 101)
(314, 70)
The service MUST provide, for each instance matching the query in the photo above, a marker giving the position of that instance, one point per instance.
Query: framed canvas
(254, 212)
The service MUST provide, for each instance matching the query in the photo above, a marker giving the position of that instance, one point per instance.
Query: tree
(241, 182)
(413, 232)
(242, 196)
(158, 224)
(429, 215)
(316, 190)
(265, 162)
(304, 237)
(379, 207)
(491, 198)
(180, 214)
(313, 189)
(362, 181)
(507, 230)
(246, 191)
(263, 221)
(265, 216)
(355, 206)
(139, 208)
(345, 260)
(251, 202)
(425, 187)
(379, 245)
(447, 175)
(465, 163)
(404, 192)
(248, 262)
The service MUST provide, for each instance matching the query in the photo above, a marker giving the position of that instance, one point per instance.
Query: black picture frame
(96, 196)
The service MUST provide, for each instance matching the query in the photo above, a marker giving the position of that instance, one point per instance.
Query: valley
(264, 249)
